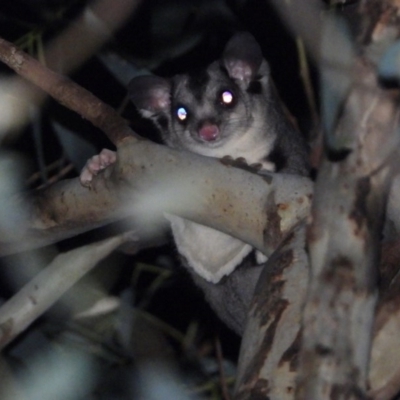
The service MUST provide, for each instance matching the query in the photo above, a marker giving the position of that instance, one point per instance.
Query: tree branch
(347, 218)
(222, 202)
(66, 92)
(50, 284)
(269, 351)
(344, 247)
(150, 179)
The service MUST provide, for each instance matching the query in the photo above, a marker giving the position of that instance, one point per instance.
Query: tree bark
(343, 244)
(343, 237)
(343, 241)
(149, 180)
(269, 351)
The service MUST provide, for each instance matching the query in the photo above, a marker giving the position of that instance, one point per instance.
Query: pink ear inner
(159, 99)
(240, 70)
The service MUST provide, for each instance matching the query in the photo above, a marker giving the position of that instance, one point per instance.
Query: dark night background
(166, 37)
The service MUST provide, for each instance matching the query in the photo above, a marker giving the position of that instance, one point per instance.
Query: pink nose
(209, 132)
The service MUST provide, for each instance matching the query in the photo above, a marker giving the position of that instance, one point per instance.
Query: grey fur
(253, 126)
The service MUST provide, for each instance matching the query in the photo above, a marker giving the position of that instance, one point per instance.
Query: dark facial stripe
(197, 83)
(255, 87)
(162, 122)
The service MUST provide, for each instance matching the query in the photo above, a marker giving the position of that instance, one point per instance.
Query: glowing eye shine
(227, 97)
(181, 113)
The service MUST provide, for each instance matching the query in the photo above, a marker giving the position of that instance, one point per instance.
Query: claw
(96, 164)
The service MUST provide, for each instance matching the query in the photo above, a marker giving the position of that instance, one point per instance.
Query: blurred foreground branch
(50, 284)
(65, 92)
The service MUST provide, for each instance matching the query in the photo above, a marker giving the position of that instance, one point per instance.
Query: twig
(54, 165)
(222, 378)
(306, 79)
(55, 178)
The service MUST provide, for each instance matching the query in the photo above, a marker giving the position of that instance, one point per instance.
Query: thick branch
(150, 179)
(344, 247)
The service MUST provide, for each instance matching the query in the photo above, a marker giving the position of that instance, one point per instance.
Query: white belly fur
(212, 254)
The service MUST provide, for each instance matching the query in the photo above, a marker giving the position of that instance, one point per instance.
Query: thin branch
(222, 378)
(307, 82)
(66, 92)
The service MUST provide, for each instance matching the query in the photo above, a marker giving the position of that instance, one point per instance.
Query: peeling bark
(269, 351)
(384, 374)
(344, 243)
(343, 240)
